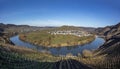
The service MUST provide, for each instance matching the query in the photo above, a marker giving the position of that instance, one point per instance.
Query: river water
(61, 50)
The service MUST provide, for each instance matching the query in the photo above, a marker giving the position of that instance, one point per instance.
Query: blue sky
(88, 13)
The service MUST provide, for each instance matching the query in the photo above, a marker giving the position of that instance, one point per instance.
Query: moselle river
(60, 50)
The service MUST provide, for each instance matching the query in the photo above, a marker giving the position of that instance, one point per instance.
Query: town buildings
(70, 32)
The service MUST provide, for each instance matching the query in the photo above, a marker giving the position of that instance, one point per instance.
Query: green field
(46, 39)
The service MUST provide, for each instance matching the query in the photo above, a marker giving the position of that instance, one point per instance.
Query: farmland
(42, 38)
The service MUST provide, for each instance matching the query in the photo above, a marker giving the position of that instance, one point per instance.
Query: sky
(87, 13)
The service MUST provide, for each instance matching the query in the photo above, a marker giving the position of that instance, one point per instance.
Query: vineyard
(10, 60)
(15, 60)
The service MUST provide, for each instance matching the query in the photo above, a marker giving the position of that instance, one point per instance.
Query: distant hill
(20, 28)
(12, 25)
(86, 29)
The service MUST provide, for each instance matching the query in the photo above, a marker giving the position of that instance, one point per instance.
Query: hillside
(112, 44)
(12, 28)
(109, 31)
(65, 27)
(13, 57)
(111, 48)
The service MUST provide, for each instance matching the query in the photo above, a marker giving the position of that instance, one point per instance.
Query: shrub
(87, 53)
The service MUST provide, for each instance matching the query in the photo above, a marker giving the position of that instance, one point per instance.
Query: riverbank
(60, 50)
(47, 40)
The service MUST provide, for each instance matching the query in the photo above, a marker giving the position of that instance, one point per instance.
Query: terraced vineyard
(10, 60)
(14, 61)
(70, 64)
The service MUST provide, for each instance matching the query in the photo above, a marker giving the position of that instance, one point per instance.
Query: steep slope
(111, 48)
(11, 60)
(70, 64)
(112, 44)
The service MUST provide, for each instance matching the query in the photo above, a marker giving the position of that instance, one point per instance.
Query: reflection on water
(60, 50)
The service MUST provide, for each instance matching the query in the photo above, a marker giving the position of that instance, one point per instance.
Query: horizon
(60, 12)
(61, 25)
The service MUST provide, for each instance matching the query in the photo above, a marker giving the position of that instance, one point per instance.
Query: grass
(14, 57)
(10, 60)
(29, 53)
(45, 39)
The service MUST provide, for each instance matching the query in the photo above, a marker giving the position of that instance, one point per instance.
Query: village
(70, 32)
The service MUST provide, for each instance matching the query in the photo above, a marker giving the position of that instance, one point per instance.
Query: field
(43, 38)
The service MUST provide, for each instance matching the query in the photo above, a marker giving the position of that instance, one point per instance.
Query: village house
(70, 32)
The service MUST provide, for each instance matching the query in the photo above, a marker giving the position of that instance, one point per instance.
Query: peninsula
(58, 37)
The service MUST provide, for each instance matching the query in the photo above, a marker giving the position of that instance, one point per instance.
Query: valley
(105, 57)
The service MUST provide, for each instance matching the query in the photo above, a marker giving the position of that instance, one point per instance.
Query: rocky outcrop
(112, 45)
